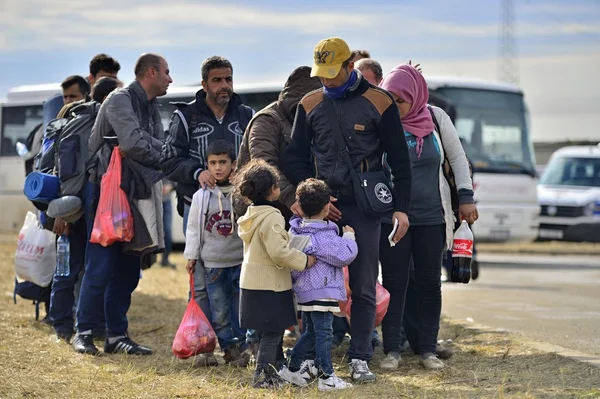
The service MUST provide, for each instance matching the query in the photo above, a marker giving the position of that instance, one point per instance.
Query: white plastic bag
(35, 259)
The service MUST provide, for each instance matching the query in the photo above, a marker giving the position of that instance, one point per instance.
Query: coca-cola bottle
(462, 254)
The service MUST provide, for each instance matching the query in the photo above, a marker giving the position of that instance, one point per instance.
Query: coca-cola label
(462, 248)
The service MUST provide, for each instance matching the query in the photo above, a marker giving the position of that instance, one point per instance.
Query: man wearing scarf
(370, 123)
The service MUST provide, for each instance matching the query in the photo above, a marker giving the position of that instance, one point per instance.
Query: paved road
(550, 299)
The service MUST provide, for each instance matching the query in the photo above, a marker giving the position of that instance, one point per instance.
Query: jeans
(200, 292)
(223, 286)
(167, 225)
(425, 244)
(268, 347)
(109, 280)
(317, 337)
(62, 298)
(363, 277)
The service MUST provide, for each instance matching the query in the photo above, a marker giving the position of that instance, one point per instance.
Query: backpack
(447, 170)
(71, 149)
(31, 291)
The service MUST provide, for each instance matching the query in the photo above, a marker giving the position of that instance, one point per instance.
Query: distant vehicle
(569, 194)
(491, 118)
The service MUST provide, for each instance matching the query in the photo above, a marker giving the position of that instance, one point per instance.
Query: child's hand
(311, 261)
(348, 229)
(191, 266)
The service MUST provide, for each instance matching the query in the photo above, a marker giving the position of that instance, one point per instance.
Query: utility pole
(508, 69)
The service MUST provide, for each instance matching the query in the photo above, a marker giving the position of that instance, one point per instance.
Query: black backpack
(71, 149)
(35, 293)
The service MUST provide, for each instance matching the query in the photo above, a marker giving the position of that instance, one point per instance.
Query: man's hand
(417, 67)
(60, 227)
(348, 229)
(334, 214)
(295, 208)
(206, 179)
(311, 261)
(468, 212)
(191, 266)
(403, 225)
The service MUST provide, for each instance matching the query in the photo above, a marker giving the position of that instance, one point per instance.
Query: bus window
(17, 122)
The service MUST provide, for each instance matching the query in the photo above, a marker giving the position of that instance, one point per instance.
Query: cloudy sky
(558, 43)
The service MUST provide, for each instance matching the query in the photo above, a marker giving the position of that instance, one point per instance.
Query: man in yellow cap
(370, 126)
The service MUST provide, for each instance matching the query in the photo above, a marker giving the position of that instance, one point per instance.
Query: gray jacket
(137, 127)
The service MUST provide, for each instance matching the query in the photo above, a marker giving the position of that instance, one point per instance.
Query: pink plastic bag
(382, 299)
(113, 221)
(195, 335)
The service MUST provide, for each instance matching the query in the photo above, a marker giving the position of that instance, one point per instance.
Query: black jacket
(192, 128)
(371, 124)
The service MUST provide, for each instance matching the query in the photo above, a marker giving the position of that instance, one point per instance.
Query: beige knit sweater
(267, 256)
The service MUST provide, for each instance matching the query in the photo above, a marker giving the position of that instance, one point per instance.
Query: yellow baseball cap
(329, 55)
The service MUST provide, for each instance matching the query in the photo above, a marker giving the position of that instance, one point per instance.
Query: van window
(568, 171)
(17, 123)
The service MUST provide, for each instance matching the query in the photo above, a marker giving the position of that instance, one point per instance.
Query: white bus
(492, 120)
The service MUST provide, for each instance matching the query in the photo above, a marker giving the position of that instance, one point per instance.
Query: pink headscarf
(408, 84)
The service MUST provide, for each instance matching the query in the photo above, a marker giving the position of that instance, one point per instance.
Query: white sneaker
(308, 370)
(359, 371)
(333, 382)
(432, 363)
(293, 377)
(390, 362)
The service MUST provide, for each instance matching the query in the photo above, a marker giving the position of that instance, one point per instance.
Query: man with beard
(216, 113)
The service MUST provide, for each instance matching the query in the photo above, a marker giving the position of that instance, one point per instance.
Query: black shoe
(65, 336)
(127, 346)
(85, 344)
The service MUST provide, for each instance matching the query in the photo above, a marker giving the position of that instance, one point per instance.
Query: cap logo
(331, 72)
(321, 57)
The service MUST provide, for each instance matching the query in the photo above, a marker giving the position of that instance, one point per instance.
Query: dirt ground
(33, 364)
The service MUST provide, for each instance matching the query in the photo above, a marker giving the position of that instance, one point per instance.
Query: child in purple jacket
(319, 288)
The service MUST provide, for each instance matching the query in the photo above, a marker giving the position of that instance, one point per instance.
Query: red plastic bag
(113, 221)
(195, 335)
(382, 299)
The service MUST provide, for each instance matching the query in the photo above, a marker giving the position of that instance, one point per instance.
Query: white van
(569, 194)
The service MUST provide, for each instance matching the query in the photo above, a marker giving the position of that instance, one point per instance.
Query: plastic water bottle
(63, 253)
(21, 149)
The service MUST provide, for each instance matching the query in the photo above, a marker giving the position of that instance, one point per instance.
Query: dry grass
(34, 365)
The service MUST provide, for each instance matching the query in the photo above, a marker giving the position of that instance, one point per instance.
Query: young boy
(211, 238)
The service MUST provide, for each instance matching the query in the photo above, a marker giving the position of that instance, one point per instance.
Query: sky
(557, 43)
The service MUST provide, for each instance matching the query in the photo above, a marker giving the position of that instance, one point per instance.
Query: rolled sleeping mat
(68, 208)
(41, 187)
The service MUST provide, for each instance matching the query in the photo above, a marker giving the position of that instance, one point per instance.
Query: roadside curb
(544, 347)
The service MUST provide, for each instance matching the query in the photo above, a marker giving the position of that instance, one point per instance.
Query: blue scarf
(338, 92)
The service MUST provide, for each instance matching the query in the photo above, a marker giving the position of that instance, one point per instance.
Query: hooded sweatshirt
(325, 280)
(211, 233)
(267, 255)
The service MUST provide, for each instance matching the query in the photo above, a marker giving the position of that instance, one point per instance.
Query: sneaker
(85, 344)
(443, 352)
(308, 370)
(233, 357)
(65, 336)
(431, 362)
(267, 379)
(127, 346)
(293, 377)
(333, 382)
(390, 362)
(359, 371)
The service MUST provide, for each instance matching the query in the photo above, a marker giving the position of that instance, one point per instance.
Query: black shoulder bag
(372, 190)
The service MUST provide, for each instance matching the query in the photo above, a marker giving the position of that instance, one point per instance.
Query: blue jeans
(167, 225)
(200, 293)
(109, 280)
(62, 297)
(317, 337)
(223, 287)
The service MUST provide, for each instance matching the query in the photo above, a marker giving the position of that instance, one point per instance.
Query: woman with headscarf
(430, 216)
